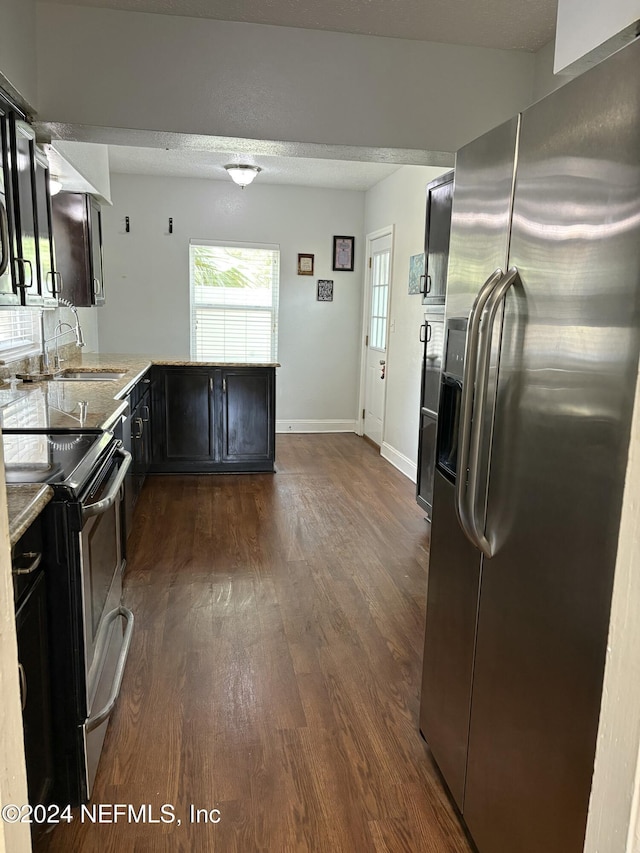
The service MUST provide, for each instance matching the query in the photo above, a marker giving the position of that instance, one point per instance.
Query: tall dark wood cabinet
(77, 230)
(436, 240)
(213, 419)
(437, 232)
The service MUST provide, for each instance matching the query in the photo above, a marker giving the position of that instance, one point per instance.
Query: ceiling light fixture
(55, 185)
(242, 174)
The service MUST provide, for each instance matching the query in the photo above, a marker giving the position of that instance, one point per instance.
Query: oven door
(107, 625)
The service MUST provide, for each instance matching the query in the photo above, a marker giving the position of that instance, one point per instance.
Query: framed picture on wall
(325, 290)
(305, 264)
(416, 273)
(343, 253)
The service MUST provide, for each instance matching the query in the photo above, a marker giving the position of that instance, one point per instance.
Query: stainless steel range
(90, 629)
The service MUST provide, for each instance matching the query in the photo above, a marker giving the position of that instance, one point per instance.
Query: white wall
(147, 279)
(18, 56)
(400, 200)
(165, 72)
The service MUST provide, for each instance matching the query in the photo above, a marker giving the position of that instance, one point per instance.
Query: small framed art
(343, 253)
(305, 264)
(416, 272)
(325, 290)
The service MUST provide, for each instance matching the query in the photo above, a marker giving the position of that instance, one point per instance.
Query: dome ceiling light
(242, 174)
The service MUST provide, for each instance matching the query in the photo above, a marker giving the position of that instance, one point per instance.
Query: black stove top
(64, 459)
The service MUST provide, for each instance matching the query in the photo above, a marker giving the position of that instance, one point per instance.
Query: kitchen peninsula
(196, 417)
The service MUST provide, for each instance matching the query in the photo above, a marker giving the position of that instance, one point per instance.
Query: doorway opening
(375, 331)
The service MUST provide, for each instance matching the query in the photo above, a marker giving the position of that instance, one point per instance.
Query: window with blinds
(19, 333)
(234, 301)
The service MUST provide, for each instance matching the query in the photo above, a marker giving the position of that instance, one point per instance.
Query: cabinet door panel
(188, 415)
(247, 414)
(71, 237)
(95, 237)
(31, 624)
(437, 233)
(26, 253)
(9, 293)
(45, 243)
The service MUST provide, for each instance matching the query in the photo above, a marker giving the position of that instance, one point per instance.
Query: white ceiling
(331, 174)
(506, 24)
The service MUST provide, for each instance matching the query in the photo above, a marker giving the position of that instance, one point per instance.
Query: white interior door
(376, 342)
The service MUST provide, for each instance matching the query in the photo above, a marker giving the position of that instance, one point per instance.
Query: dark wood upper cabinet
(436, 241)
(47, 277)
(95, 242)
(25, 216)
(77, 234)
(25, 255)
(9, 291)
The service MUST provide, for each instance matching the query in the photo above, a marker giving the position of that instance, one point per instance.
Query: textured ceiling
(331, 174)
(506, 24)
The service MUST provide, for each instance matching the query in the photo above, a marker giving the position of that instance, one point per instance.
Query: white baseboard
(315, 426)
(399, 461)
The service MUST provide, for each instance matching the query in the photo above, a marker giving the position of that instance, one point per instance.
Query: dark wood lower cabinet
(189, 417)
(248, 416)
(33, 659)
(213, 420)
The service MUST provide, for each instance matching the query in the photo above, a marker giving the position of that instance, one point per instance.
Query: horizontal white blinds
(234, 301)
(19, 333)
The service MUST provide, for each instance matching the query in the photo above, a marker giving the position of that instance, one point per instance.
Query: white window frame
(273, 247)
(20, 333)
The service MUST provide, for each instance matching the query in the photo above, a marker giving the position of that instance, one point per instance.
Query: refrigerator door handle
(483, 366)
(462, 502)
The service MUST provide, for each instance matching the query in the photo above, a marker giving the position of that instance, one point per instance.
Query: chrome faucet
(58, 333)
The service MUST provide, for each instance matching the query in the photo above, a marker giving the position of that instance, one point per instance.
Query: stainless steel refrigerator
(542, 330)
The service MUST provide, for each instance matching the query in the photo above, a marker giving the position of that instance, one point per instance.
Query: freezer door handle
(462, 503)
(483, 366)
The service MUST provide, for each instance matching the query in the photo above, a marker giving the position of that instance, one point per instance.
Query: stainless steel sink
(89, 376)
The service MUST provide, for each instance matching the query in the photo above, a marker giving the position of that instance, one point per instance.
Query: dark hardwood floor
(275, 668)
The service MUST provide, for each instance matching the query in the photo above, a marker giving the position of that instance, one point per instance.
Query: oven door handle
(98, 718)
(108, 501)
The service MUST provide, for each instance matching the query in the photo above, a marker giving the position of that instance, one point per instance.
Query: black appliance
(90, 630)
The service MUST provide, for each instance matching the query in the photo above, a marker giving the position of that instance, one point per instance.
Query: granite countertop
(25, 504)
(91, 405)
